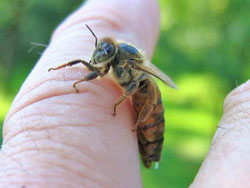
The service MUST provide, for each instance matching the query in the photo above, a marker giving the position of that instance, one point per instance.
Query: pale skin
(55, 137)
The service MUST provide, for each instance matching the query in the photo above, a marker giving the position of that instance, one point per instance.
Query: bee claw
(77, 90)
(74, 86)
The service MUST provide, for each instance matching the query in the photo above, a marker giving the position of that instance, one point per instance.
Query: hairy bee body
(122, 70)
(148, 97)
(131, 72)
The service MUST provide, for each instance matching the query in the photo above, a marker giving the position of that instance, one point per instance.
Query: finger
(56, 137)
(227, 163)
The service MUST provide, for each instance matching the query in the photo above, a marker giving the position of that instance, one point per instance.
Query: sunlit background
(204, 46)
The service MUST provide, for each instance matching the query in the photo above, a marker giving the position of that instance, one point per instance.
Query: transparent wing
(154, 71)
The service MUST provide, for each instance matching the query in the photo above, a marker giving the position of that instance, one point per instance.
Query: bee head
(104, 51)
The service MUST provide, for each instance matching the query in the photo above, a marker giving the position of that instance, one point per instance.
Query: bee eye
(105, 49)
(103, 52)
(108, 49)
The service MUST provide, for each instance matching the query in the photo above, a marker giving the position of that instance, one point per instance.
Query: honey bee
(132, 71)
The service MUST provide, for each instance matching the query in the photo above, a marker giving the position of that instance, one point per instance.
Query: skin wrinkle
(28, 98)
(234, 129)
(87, 123)
(237, 122)
(64, 75)
(78, 36)
(83, 46)
(102, 130)
(235, 115)
(94, 86)
(57, 146)
(58, 182)
(49, 127)
(237, 96)
(239, 114)
(20, 165)
(53, 150)
(74, 167)
(53, 56)
(67, 55)
(32, 98)
(96, 180)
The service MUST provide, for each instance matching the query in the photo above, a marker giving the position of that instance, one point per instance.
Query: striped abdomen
(150, 132)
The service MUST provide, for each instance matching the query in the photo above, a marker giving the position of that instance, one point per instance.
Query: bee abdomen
(151, 151)
(151, 134)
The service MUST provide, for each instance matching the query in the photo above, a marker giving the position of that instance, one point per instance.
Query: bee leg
(74, 62)
(88, 77)
(130, 89)
(148, 106)
(118, 102)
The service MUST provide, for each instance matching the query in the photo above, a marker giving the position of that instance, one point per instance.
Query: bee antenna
(96, 40)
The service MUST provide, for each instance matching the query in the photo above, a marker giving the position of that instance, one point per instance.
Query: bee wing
(154, 71)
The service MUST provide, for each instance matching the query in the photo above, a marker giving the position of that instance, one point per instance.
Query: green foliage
(204, 46)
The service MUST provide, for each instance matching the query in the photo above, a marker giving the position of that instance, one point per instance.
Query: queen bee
(134, 74)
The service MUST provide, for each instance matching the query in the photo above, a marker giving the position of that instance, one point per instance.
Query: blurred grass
(204, 46)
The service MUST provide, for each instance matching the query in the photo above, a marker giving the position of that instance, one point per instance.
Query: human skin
(54, 137)
(227, 164)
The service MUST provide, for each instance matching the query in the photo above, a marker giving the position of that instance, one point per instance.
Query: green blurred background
(204, 46)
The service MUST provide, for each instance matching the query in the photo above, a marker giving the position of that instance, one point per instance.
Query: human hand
(54, 137)
(227, 164)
